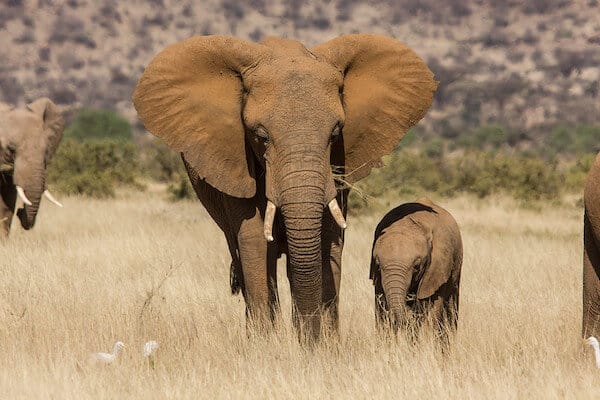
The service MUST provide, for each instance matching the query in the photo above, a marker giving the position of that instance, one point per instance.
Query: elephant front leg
(332, 246)
(257, 288)
(443, 314)
(8, 194)
(382, 319)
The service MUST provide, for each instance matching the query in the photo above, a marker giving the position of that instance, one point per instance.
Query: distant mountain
(525, 64)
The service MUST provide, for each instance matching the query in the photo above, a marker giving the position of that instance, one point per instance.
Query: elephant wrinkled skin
(260, 126)
(415, 266)
(591, 252)
(29, 138)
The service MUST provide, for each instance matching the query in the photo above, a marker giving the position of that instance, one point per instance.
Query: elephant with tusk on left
(29, 138)
(262, 127)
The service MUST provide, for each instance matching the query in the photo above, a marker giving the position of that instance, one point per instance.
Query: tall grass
(91, 273)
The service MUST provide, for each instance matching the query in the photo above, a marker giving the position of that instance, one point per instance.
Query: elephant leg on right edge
(591, 283)
(8, 194)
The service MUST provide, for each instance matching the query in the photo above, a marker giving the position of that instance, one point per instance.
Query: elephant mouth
(271, 209)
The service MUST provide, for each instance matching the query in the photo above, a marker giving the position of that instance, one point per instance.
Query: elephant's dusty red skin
(415, 267)
(591, 252)
(260, 127)
(29, 138)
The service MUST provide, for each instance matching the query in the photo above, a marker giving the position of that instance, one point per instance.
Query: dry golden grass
(79, 281)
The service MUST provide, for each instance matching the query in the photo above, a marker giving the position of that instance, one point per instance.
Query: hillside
(526, 65)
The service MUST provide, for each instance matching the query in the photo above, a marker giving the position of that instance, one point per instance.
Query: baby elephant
(415, 266)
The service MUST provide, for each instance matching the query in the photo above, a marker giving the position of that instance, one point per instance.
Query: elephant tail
(236, 279)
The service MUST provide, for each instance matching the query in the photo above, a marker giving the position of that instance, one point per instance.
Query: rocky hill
(524, 64)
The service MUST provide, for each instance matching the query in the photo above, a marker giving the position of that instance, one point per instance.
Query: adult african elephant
(591, 252)
(415, 266)
(261, 126)
(29, 137)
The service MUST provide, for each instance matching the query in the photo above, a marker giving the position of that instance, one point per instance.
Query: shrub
(162, 164)
(579, 140)
(92, 124)
(575, 176)
(181, 189)
(94, 168)
(477, 172)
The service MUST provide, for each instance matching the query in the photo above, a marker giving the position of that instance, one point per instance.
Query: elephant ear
(53, 122)
(436, 272)
(190, 95)
(387, 89)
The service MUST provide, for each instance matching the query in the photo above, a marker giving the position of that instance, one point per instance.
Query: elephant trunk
(302, 205)
(33, 182)
(396, 279)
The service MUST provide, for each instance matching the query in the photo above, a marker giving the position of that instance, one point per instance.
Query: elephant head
(241, 111)
(403, 256)
(28, 139)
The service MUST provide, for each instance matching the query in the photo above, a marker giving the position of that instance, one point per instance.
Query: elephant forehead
(282, 48)
(24, 119)
(399, 238)
(297, 73)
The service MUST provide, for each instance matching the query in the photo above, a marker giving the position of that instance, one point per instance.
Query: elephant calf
(415, 266)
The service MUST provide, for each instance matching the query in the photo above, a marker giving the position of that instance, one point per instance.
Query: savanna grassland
(137, 267)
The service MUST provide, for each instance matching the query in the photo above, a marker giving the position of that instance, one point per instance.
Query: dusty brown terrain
(524, 64)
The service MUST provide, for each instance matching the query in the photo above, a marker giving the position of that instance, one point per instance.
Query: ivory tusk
(51, 198)
(336, 212)
(269, 217)
(21, 194)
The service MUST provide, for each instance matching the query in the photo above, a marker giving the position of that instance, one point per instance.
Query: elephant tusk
(21, 194)
(336, 212)
(269, 217)
(51, 198)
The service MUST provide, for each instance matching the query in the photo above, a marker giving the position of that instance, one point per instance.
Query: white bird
(107, 358)
(592, 341)
(149, 349)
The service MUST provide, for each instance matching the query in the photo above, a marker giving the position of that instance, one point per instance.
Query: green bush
(93, 124)
(181, 189)
(477, 172)
(94, 168)
(576, 175)
(573, 140)
(162, 164)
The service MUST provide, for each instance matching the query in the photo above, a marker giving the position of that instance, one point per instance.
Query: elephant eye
(261, 134)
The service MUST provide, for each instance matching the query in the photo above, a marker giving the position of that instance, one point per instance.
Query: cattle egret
(107, 358)
(592, 341)
(149, 349)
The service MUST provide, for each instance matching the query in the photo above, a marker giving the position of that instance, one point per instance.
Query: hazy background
(525, 64)
(519, 78)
